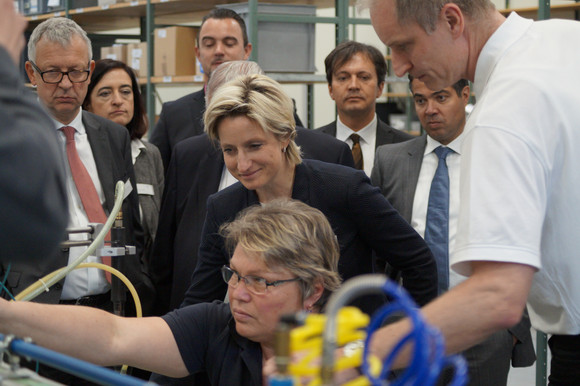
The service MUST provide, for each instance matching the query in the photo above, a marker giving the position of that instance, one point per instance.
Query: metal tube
(71, 365)
(75, 243)
(351, 289)
(80, 230)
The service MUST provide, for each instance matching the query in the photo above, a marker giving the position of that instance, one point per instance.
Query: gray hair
(58, 30)
(292, 235)
(426, 12)
(229, 71)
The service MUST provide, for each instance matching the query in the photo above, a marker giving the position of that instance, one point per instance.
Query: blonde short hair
(292, 235)
(260, 99)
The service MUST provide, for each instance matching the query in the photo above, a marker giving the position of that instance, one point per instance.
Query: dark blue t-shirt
(208, 342)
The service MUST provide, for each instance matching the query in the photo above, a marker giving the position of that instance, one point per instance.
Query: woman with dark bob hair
(284, 260)
(113, 93)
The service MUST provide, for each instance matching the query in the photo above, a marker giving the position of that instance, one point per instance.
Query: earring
(283, 150)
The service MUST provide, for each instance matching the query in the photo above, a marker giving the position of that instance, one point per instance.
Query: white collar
(343, 132)
(454, 145)
(508, 32)
(77, 123)
(137, 146)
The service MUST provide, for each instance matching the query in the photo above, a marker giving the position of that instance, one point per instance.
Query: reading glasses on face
(255, 284)
(54, 77)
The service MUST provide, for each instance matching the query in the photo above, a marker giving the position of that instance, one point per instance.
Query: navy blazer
(111, 147)
(385, 133)
(363, 220)
(179, 119)
(193, 175)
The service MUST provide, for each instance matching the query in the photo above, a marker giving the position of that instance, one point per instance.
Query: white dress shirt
(421, 199)
(92, 281)
(368, 139)
(227, 179)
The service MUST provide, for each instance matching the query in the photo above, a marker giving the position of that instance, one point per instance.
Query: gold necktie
(357, 152)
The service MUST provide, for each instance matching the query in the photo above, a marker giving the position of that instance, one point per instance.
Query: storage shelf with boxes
(174, 52)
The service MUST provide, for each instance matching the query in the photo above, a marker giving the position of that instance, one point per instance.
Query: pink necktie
(85, 187)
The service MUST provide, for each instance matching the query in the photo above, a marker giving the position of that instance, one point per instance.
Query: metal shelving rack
(147, 14)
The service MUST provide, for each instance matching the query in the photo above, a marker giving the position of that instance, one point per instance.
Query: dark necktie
(356, 151)
(437, 227)
(85, 186)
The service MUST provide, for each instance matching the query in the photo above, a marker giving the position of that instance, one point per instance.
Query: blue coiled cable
(428, 358)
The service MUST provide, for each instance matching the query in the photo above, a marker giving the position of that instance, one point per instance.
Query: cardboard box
(115, 52)
(175, 51)
(137, 58)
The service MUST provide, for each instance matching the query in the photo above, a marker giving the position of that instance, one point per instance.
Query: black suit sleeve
(392, 239)
(160, 138)
(345, 157)
(162, 259)
(206, 282)
(33, 200)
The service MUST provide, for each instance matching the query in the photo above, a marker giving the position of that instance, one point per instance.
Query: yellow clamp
(306, 345)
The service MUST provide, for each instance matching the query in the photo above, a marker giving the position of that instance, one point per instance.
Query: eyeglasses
(254, 284)
(54, 77)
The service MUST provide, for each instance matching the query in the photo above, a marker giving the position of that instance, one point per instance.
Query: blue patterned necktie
(437, 227)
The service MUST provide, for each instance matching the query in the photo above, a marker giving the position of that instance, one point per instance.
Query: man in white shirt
(356, 76)
(518, 219)
(59, 66)
(405, 172)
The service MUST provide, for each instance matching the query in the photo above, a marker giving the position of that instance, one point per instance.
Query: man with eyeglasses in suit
(59, 67)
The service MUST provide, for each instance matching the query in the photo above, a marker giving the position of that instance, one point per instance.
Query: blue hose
(428, 357)
(72, 366)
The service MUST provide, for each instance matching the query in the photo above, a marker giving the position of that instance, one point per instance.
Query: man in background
(356, 76)
(222, 37)
(410, 175)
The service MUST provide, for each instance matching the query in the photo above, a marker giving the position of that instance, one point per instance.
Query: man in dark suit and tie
(196, 171)
(222, 37)
(409, 175)
(59, 66)
(355, 73)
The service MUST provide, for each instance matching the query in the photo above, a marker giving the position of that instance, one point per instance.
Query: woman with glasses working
(284, 260)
